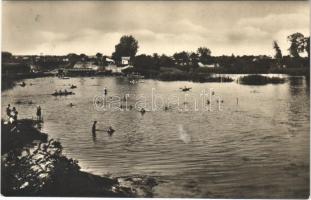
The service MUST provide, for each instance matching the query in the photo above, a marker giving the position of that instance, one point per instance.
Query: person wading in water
(94, 127)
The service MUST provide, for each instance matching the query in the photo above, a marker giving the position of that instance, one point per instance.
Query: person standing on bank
(8, 110)
(38, 113)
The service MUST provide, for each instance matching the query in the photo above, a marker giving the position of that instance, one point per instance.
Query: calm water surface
(257, 148)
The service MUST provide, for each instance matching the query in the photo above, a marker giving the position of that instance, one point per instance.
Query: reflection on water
(257, 148)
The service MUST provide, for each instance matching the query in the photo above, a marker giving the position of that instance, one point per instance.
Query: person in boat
(94, 127)
(71, 104)
(56, 93)
(65, 91)
(60, 92)
(38, 112)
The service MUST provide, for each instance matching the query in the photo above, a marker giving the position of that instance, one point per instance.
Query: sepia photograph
(155, 99)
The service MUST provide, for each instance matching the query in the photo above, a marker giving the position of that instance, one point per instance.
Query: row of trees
(128, 47)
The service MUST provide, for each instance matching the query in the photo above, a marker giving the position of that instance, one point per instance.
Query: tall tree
(127, 47)
(203, 51)
(205, 54)
(278, 53)
(166, 61)
(182, 58)
(307, 46)
(99, 55)
(83, 57)
(6, 56)
(194, 57)
(145, 62)
(297, 44)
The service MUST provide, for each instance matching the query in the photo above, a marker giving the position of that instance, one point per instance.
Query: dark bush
(260, 80)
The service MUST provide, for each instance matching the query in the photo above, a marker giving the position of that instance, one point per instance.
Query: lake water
(256, 148)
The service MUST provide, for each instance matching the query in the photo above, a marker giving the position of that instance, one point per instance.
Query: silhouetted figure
(105, 91)
(14, 113)
(13, 117)
(94, 137)
(94, 127)
(110, 130)
(208, 102)
(94, 131)
(38, 113)
(8, 110)
(142, 111)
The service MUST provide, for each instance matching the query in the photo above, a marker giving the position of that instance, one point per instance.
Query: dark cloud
(55, 27)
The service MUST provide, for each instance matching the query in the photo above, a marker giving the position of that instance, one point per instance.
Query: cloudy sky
(239, 27)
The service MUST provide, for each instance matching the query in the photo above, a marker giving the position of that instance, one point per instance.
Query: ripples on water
(256, 149)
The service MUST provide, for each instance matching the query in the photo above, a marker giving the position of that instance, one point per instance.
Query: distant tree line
(185, 61)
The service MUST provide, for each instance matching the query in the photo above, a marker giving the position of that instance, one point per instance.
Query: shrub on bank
(260, 80)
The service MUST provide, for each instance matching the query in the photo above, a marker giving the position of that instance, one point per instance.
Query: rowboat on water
(62, 93)
(185, 89)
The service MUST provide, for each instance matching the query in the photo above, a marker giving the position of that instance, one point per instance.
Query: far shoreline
(9, 82)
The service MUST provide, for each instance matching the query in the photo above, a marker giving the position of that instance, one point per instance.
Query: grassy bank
(41, 169)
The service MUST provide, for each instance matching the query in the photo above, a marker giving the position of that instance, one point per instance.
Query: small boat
(23, 84)
(62, 93)
(73, 86)
(185, 89)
